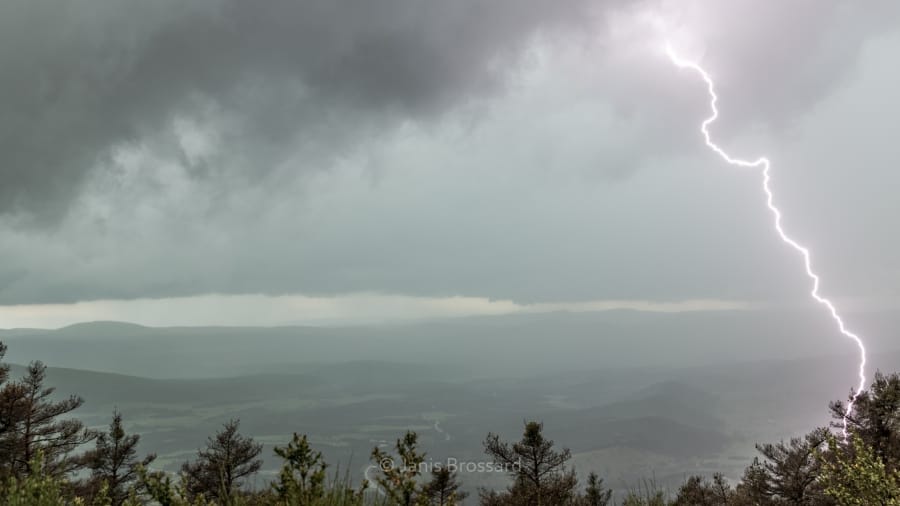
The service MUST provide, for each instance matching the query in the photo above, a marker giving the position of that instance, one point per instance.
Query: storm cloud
(524, 150)
(82, 77)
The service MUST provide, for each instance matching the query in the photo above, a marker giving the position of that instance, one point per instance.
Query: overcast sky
(329, 160)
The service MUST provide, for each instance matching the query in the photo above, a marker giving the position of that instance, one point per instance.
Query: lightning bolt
(765, 166)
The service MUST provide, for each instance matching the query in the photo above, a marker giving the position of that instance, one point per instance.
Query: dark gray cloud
(82, 77)
(776, 60)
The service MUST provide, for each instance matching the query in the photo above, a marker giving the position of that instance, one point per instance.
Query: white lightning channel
(764, 164)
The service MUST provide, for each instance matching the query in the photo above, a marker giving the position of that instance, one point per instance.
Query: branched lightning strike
(764, 164)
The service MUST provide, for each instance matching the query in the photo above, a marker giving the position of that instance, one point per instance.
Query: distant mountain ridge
(679, 401)
(102, 328)
(506, 345)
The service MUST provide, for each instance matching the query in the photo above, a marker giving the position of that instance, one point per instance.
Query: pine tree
(114, 462)
(302, 477)
(30, 423)
(4, 368)
(595, 494)
(442, 490)
(220, 468)
(6, 419)
(788, 473)
(398, 479)
(539, 471)
(698, 491)
(875, 418)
